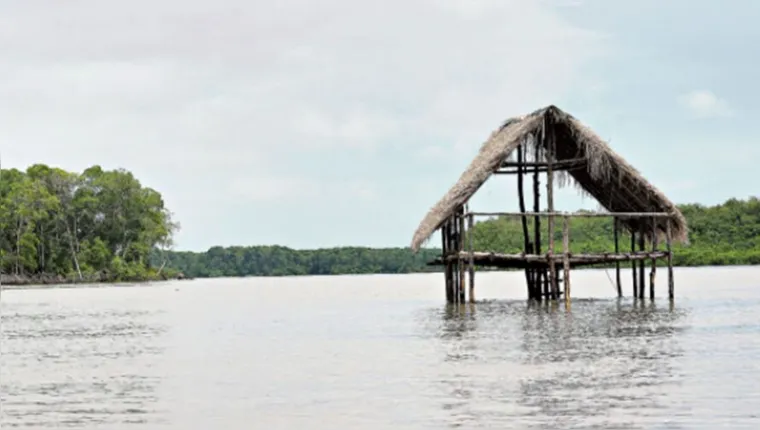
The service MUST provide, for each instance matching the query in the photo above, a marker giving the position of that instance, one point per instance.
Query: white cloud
(432, 152)
(352, 129)
(193, 95)
(705, 104)
(266, 189)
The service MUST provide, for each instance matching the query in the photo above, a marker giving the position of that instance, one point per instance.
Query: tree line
(100, 225)
(104, 225)
(724, 234)
(283, 261)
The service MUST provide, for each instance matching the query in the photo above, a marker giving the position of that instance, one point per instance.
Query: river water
(380, 352)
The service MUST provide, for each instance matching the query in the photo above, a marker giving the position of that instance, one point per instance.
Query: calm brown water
(379, 352)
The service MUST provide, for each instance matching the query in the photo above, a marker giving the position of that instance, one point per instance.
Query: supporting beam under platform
(535, 260)
(577, 214)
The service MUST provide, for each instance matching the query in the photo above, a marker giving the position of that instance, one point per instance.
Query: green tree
(100, 224)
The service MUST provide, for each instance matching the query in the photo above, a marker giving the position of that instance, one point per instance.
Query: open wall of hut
(545, 149)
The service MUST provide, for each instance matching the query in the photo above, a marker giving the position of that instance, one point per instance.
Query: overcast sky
(315, 123)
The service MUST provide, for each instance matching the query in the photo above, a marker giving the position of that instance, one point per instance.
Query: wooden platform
(522, 260)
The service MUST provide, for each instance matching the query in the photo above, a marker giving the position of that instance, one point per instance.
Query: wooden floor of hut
(522, 261)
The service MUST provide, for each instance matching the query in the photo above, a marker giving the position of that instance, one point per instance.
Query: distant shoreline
(148, 282)
(21, 282)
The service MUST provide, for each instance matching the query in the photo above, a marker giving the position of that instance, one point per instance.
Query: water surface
(379, 352)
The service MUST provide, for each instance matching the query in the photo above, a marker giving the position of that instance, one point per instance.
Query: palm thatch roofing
(606, 176)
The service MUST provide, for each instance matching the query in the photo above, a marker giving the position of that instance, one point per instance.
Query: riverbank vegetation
(725, 234)
(101, 226)
(97, 226)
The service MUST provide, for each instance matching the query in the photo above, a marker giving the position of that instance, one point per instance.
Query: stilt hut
(551, 147)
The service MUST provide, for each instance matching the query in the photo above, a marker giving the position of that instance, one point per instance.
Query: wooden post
(566, 248)
(452, 263)
(642, 263)
(668, 238)
(539, 274)
(549, 153)
(460, 261)
(616, 226)
(653, 273)
(454, 249)
(524, 219)
(446, 239)
(470, 225)
(633, 265)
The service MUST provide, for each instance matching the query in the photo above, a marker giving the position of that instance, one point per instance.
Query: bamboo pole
(470, 225)
(653, 272)
(616, 226)
(668, 238)
(566, 248)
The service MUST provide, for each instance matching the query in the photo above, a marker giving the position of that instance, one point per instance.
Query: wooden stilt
(653, 273)
(524, 219)
(633, 266)
(446, 239)
(462, 298)
(549, 154)
(539, 274)
(642, 263)
(535, 288)
(566, 249)
(616, 226)
(470, 225)
(668, 244)
(455, 263)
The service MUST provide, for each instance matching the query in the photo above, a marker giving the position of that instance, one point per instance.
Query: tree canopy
(97, 225)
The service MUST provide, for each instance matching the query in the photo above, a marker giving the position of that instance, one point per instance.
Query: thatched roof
(607, 177)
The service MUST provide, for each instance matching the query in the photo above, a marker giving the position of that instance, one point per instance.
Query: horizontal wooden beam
(559, 164)
(515, 264)
(515, 171)
(578, 214)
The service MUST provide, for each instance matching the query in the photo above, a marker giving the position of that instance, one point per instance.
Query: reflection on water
(552, 368)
